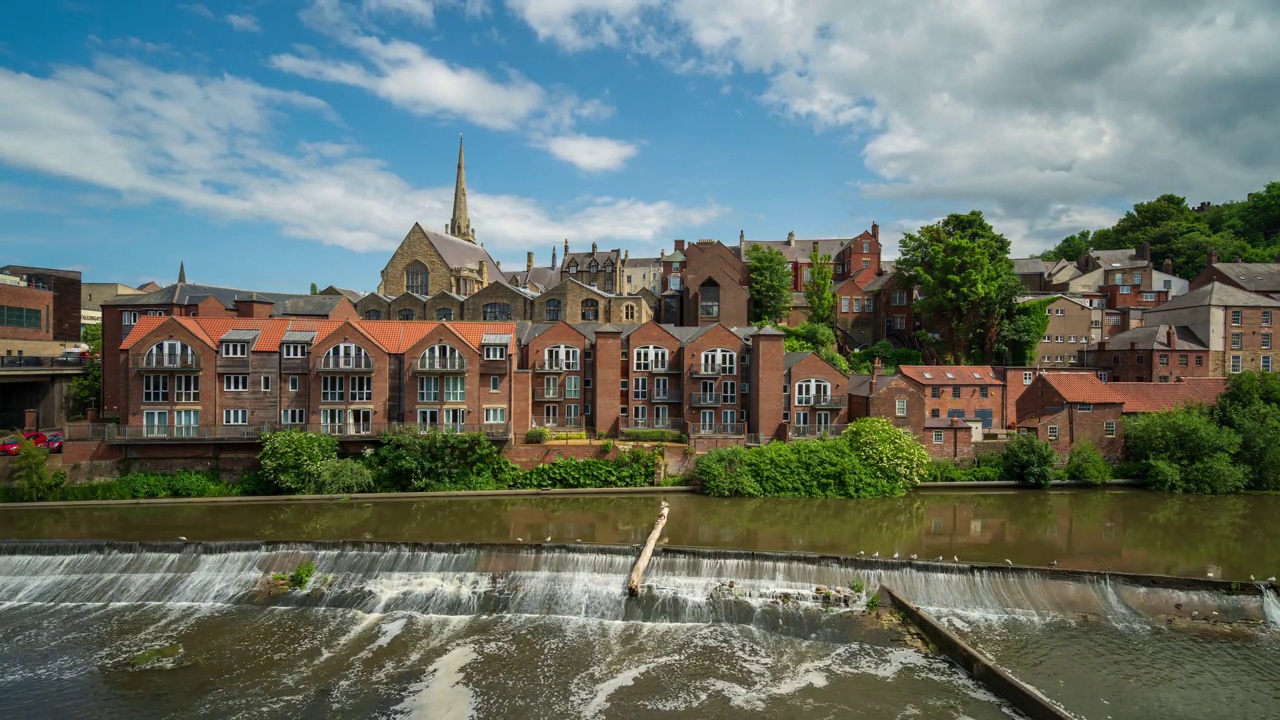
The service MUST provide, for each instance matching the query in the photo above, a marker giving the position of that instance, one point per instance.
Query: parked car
(54, 440)
(9, 445)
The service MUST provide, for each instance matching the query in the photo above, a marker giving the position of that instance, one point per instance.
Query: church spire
(182, 272)
(460, 225)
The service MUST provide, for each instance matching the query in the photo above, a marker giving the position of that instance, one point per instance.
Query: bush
(254, 483)
(537, 436)
(343, 477)
(984, 473)
(143, 485)
(32, 476)
(292, 459)
(1184, 451)
(630, 469)
(439, 461)
(188, 483)
(1029, 459)
(674, 436)
(893, 455)
(1086, 464)
(943, 471)
(809, 468)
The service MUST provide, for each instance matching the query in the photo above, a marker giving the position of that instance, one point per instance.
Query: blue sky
(272, 144)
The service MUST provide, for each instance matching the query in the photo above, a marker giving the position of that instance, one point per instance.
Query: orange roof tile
(1083, 387)
(1141, 397)
(951, 374)
(392, 336)
(145, 324)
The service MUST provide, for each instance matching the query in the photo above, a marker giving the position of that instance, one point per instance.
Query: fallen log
(642, 562)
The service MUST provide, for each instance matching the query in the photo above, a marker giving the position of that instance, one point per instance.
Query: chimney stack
(1168, 266)
(815, 246)
(528, 265)
(1144, 253)
(626, 255)
(1236, 259)
(593, 248)
(1213, 256)
(680, 245)
(791, 239)
(554, 265)
(1171, 338)
(875, 231)
(566, 248)
(876, 368)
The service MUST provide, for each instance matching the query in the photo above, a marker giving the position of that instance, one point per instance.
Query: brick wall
(30, 299)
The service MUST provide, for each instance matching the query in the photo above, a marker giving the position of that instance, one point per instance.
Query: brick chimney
(1213, 256)
(876, 368)
(528, 263)
(566, 248)
(815, 246)
(1144, 252)
(1168, 266)
(875, 231)
(1171, 338)
(791, 239)
(679, 245)
(254, 306)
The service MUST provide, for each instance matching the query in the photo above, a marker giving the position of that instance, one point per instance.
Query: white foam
(442, 694)
(621, 680)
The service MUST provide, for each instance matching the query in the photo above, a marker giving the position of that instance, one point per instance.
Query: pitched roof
(1082, 387)
(791, 359)
(1030, 266)
(1217, 294)
(393, 336)
(1154, 337)
(584, 258)
(1118, 259)
(1141, 397)
(951, 374)
(1255, 277)
(881, 281)
(459, 253)
(798, 251)
(352, 295)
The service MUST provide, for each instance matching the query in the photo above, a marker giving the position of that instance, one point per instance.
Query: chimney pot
(1236, 259)
(791, 239)
(593, 248)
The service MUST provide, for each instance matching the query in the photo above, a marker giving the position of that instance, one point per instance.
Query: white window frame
(900, 407)
(266, 383)
(333, 388)
(186, 423)
(455, 389)
(1265, 363)
(235, 383)
(572, 387)
(720, 361)
(155, 388)
(293, 350)
(1109, 428)
(1084, 407)
(360, 389)
(235, 349)
(495, 383)
(938, 437)
(235, 416)
(429, 389)
(1053, 433)
(640, 388)
(186, 388)
(493, 415)
(155, 423)
(293, 416)
(729, 392)
(1237, 364)
(495, 352)
(293, 383)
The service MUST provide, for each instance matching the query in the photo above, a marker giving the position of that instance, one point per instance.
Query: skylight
(978, 375)
(950, 376)
(928, 376)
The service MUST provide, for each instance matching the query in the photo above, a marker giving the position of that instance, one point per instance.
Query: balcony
(573, 424)
(822, 401)
(705, 429)
(543, 394)
(814, 431)
(651, 423)
(712, 370)
(241, 433)
(705, 399)
(440, 365)
(328, 363)
(665, 395)
(556, 366)
(165, 361)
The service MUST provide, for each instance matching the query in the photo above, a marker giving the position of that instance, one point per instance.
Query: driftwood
(642, 562)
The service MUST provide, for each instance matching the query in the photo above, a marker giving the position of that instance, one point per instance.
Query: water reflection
(1116, 530)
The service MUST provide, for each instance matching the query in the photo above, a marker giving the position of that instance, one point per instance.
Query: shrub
(984, 473)
(537, 436)
(1086, 464)
(292, 459)
(142, 485)
(1029, 459)
(607, 446)
(188, 483)
(674, 436)
(439, 461)
(32, 476)
(887, 451)
(809, 468)
(1184, 451)
(343, 477)
(255, 483)
(943, 471)
(630, 469)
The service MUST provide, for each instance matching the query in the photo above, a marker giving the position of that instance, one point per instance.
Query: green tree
(1021, 332)
(893, 455)
(966, 281)
(1029, 459)
(818, 293)
(315, 289)
(440, 461)
(1250, 406)
(293, 459)
(86, 388)
(1086, 464)
(32, 475)
(1184, 450)
(1070, 248)
(770, 283)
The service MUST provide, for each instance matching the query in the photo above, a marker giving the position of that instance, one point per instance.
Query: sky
(268, 145)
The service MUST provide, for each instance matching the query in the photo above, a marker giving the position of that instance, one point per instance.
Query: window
(293, 416)
(622, 411)
(444, 314)
(1237, 317)
(1140, 360)
(867, 304)
(495, 415)
(407, 314)
(1236, 340)
(1266, 318)
(650, 358)
(1119, 278)
(372, 314)
(900, 408)
(984, 392)
(808, 275)
(235, 417)
(332, 388)
(1109, 428)
(899, 297)
(455, 389)
(1027, 377)
(496, 311)
(573, 268)
(1137, 278)
(235, 349)
(1084, 407)
(1237, 364)
(495, 383)
(495, 352)
(955, 392)
(155, 388)
(590, 310)
(660, 388)
(844, 304)
(1148, 297)
(586, 409)
(1125, 289)
(442, 357)
(628, 311)
(416, 279)
(935, 413)
(1163, 359)
(428, 389)
(1071, 338)
(937, 437)
(1059, 311)
(640, 388)
(1266, 341)
(561, 357)
(1199, 361)
(1058, 338)
(1053, 433)
(728, 392)
(935, 392)
(857, 304)
(186, 423)
(333, 421)
(1266, 363)
(572, 388)
(1113, 320)
(623, 384)
(1102, 375)
(553, 310)
(719, 362)
(1182, 360)
(155, 423)
(361, 388)
(235, 383)
(346, 355)
(128, 317)
(266, 383)
(186, 388)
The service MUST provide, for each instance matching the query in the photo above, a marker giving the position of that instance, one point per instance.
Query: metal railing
(28, 361)
(651, 424)
(717, 428)
(557, 366)
(712, 369)
(822, 401)
(814, 431)
(165, 361)
(572, 424)
(441, 364)
(171, 433)
(705, 399)
(344, 362)
(546, 393)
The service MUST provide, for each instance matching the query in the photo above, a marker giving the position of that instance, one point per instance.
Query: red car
(54, 441)
(9, 445)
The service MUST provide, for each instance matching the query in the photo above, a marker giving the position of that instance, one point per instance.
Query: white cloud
(208, 144)
(244, 23)
(198, 9)
(592, 154)
(1036, 112)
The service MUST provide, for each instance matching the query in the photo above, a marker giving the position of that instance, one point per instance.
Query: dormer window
(293, 350)
(593, 267)
(495, 352)
(235, 349)
(573, 268)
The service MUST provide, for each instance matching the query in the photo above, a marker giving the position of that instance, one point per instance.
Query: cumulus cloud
(209, 144)
(244, 23)
(1037, 112)
(592, 154)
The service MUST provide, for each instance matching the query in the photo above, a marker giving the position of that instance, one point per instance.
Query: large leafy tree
(818, 293)
(770, 283)
(966, 282)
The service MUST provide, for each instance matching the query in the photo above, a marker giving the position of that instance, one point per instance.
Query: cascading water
(1271, 607)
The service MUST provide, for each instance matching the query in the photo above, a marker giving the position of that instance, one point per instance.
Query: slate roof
(353, 295)
(584, 258)
(1154, 337)
(235, 335)
(881, 281)
(190, 294)
(1217, 294)
(1118, 259)
(460, 253)
(1030, 266)
(951, 374)
(799, 252)
(791, 359)
(1255, 277)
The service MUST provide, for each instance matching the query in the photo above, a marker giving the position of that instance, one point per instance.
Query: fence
(230, 433)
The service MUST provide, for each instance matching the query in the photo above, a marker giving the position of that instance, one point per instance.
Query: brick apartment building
(1235, 325)
(63, 313)
(1152, 353)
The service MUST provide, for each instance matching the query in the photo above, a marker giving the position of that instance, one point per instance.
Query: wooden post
(642, 562)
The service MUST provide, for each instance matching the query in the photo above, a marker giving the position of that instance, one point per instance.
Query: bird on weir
(939, 559)
(183, 538)
(1053, 563)
(955, 558)
(1008, 562)
(913, 556)
(895, 556)
(875, 554)
(1271, 579)
(861, 553)
(548, 539)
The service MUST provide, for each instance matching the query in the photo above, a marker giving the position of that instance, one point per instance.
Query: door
(707, 419)
(186, 423)
(660, 417)
(823, 423)
(361, 422)
(639, 416)
(155, 423)
(985, 416)
(428, 419)
(455, 419)
(551, 415)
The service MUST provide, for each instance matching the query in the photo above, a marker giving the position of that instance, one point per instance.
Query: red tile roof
(951, 374)
(1141, 397)
(393, 336)
(1083, 387)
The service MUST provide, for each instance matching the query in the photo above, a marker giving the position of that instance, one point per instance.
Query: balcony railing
(546, 393)
(651, 423)
(441, 364)
(557, 366)
(559, 423)
(328, 363)
(705, 399)
(665, 395)
(814, 431)
(712, 369)
(717, 428)
(165, 361)
(822, 401)
(170, 433)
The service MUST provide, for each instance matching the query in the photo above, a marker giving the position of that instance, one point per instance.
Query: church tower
(460, 225)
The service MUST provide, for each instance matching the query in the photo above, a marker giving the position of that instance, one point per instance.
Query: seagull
(861, 553)
(519, 539)
(955, 558)
(1053, 563)
(578, 540)
(875, 554)
(548, 539)
(1195, 613)
(1210, 574)
(913, 556)
(939, 558)
(1008, 562)
(1271, 579)
(1251, 579)
(895, 556)
(183, 538)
